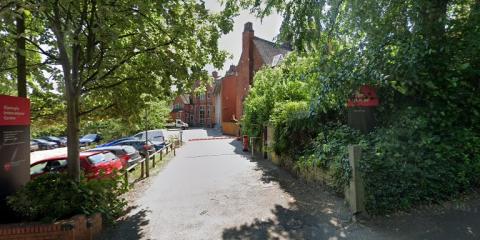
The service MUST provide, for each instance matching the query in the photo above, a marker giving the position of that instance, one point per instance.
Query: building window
(202, 114)
(202, 96)
(177, 106)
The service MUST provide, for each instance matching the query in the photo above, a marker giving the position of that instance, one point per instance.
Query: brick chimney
(247, 47)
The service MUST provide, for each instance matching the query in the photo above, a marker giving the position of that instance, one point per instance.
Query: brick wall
(229, 96)
(76, 228)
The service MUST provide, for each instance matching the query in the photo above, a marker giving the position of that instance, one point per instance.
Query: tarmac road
(213, 190)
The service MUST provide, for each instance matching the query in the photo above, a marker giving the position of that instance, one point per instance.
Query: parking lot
(169, 133)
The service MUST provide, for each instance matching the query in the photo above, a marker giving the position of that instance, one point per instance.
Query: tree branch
(120, 63)
(42, 50)
(87, 90)
(96, 108)
(6, 6)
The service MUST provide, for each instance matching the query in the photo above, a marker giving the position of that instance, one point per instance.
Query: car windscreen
(40, 140)
(89, 136)
(129, 149)
(101, 157)
(54, 138)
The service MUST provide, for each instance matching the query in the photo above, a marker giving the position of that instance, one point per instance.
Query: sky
(268, 29)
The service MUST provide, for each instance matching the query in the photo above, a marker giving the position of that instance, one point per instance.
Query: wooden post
(147, 165)
(126, 179)
(174, 153)
(161, 155)
(355, 192)
(142, 169)
(252, 144)
(154, 158)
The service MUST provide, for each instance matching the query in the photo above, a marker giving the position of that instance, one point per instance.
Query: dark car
(89, 139)
(139, 145)
(112, 143)
(56, 140)
(34, 146)
(128, 154)
(44, 144)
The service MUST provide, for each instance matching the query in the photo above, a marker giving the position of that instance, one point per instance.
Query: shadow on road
(314, 213)
(318, 214)
(129, 227)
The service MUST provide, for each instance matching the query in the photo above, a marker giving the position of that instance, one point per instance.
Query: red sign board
(366, 96)
(14, 111)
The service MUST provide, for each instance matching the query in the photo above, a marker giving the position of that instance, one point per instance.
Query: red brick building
(234, 87)
(198, 108)
(203, 107)
(229, 95)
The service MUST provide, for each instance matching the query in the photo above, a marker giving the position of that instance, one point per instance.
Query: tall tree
(110, 52)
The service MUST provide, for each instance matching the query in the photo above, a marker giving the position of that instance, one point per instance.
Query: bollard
(245, 143)
(161, 155)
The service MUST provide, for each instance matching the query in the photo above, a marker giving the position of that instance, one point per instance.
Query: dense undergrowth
(425, 147)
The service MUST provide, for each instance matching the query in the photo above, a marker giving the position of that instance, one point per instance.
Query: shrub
(56, 196)
(293, 127)
(329, 152)
(417, 159)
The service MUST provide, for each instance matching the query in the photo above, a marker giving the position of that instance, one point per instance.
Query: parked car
(89, 139)
(139, 145)
(158, 135)
(44, 144)
(112, 143)
(95, 164)
(58, 141)
(128, 154)
(33, 146)
(177, 124)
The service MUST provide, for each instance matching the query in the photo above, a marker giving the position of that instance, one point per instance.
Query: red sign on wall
(14, 111)
(366, 96)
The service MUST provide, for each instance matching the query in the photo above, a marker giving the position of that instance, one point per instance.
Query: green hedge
(56, 196)
(417, 160)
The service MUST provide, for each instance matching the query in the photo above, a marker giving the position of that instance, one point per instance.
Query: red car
(94, 164)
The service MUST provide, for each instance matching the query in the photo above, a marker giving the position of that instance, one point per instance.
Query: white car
(153, 135)
(178, 124)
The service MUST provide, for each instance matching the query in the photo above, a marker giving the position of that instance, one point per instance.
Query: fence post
(147, 165)
(161, 154)
(253, 144)
(174, 153)
(154, 158)
(142, 169)
(126, 179)
(355, 192)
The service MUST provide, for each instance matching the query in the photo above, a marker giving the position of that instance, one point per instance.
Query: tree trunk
(73, 126)
(433, 20)
(20, 54)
